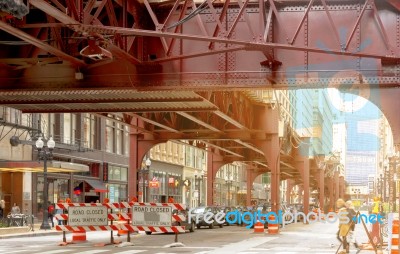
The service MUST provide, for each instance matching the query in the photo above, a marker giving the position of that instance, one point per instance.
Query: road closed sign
(154, 216)
(87, 216)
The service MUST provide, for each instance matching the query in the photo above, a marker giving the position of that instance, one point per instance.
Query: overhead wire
(198, 10)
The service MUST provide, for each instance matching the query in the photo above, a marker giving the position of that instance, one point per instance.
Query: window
(117, 137)
(69, 128)
(109, 136)
(117, 173)
(89, 128)
(126, 140)
(117, 193)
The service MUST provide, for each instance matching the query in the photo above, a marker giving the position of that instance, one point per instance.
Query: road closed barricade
(156, 217)
(80, 218)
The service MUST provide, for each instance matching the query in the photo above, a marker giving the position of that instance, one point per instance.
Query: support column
(290, 185)
(302, 163)
(321, 189)
(304, 167)
(268, 120)
(342, 187)
(214, 163)
(273, 157)
(332, 200)
(137, 150)
(336, 185)
(249, 186)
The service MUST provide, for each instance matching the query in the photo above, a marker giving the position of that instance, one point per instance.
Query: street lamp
(145, 172)
(45, 154)
(197, 180)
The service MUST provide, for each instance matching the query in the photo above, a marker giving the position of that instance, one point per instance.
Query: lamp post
(145, 172)
(45, 154)
(198, 179)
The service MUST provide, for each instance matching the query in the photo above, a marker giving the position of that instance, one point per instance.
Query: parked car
(227, 209)
(189, 225)
(199, 213)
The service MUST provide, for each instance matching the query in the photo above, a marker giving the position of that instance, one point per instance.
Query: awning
(35, 166)
(97, 185)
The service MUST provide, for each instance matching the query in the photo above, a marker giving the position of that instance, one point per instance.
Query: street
(293, 239)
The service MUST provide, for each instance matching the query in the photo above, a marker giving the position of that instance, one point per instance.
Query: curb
(30, 234)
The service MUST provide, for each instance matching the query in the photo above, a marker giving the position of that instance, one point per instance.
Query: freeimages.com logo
(282, 218)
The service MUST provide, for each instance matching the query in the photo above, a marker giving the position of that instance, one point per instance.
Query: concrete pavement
(16, 232)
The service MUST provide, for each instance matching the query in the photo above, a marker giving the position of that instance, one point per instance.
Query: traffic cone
(258, 227)
(273, 226)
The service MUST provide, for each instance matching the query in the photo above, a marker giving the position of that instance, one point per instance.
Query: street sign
(153, 184)
(87, 216)
(146, 215)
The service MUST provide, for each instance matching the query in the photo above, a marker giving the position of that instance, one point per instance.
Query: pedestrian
(15, 209)
(351, 238)
(344, 225)
(171, 200)
(50, 213)
(2, 208)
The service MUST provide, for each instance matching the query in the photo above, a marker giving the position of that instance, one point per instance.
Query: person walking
(344, 225)
(351, 238)
(50, 213)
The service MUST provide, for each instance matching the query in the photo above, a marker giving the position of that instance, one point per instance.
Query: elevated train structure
(187, 70)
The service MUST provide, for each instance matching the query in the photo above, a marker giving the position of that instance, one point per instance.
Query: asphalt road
(317, 238)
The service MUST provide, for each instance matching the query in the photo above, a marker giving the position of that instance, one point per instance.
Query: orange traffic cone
(258, 227)
(272, 227)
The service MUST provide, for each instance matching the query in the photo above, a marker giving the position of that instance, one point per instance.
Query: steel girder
(243, 45)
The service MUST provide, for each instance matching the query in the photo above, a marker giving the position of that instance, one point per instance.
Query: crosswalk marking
(54, 251)
(92, 251)
(242, 245)
(129, 252)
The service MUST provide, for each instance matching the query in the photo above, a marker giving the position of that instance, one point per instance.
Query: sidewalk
(16, 232)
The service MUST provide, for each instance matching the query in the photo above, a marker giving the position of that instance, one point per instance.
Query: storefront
(164, 182)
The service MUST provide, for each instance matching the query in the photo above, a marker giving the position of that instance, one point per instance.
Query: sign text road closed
(155, 216)
(87, 216)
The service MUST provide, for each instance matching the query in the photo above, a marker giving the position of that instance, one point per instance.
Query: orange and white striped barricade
(144, 217)
(84, 217)
(393, 234)
(273, 225)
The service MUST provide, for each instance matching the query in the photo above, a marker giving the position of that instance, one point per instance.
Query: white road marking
(242, 245)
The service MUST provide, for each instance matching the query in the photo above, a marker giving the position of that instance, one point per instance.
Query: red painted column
(332, 200)
(342, 187)
(302, 163)
(336, 185)
(133, 165)
(321, 189)
(137, 150)
(304, 167)
(214, 163)
(268, 120)
(249, 183)
(290, 185)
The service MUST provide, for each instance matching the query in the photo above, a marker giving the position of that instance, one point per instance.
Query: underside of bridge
(188, 70)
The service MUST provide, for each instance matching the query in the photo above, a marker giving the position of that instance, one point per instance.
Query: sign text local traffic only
(155, 216)
(87, 216)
